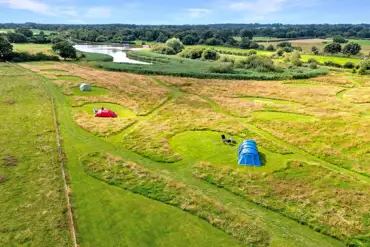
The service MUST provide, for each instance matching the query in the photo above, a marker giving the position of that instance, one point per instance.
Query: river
(118, 52)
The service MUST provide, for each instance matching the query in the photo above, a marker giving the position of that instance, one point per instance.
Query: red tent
(105, 113)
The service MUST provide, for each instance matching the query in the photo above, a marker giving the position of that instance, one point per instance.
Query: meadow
(159, 174)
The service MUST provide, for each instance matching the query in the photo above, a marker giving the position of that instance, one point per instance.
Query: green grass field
(159, 174)
(33, 204)
(33, 48)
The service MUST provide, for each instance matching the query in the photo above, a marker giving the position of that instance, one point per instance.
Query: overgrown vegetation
(131, 176)
(301, 192)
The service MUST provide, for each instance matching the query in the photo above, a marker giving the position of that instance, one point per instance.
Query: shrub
(251, 52)
(284, 44)
(210, 54)
(295, 58)
(244, 43)
(312, 60)
(163, 49)
(192, 53)
(333, 48)
(227, 59)
(351, 48)
(313, 65)
(253, 45)
(349, 65)
(260, 63)
(213, 42)
(261, 47)
(332, 64)
(339, 39)
(222, 68)
(27, 57)
(175, 44)
(279, 53)
(270, 48)
(315, 50)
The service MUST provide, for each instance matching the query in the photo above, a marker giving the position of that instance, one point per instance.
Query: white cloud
(98, 12)
(71, 11)
(197, 13)
(31, 5)
(269, 6)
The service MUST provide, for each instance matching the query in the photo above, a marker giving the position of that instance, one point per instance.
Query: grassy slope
(96, 225)
(32, 202)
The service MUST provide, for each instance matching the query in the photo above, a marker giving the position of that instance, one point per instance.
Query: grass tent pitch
(84, 87)
(248, 154)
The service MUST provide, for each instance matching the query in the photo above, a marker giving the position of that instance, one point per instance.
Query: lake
(118, 52)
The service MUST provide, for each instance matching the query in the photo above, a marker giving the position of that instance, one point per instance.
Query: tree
(351, 48)
(210, 54)
(213, 41)
(162, 38)
(333, 48)
(284, 44)
(25, 31)
(245, 33)
(292, 34)
(339, 39)
(5, 48)
(189, 40)
(16, 37)
(244, 43)
(270, 48)
(253, 45)
(101, 38)
(65, 50)
(175, 44)
(315, 50)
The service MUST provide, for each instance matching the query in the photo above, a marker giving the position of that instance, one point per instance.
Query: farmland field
(159, 174)
(33, 48)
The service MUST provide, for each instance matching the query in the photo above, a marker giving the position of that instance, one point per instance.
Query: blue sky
(185, 12)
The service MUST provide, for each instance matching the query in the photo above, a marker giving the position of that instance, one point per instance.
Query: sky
(185, 12)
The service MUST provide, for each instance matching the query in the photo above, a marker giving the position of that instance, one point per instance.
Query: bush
(222, 68)
(295, 58)
(339, 39)
(279, 53)
(175, 44)
(260, 63)
(332, 64)
(284, 44)
(227, 59)
(315, 50)
(192, 53)
(333, 48)
(351, 48)
(313, 65)
(213, 42)
(27, 57)
(163, 49)
(349, 65)
(312, 60)
(210, 54)
(253, 45)
(270, 48)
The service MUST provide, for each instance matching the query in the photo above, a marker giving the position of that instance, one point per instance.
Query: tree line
(190, 34)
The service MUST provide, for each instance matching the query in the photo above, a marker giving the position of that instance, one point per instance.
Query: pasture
(159, 174)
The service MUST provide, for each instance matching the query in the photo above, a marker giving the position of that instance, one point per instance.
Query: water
(118, 52)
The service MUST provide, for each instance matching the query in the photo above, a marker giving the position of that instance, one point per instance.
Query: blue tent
(248, 154)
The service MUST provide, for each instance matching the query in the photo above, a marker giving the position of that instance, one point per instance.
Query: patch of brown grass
(137, 92)
(10, 160)
(102, 126)
(3, 179)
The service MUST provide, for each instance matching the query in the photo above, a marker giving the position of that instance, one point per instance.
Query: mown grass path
(103, 214)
